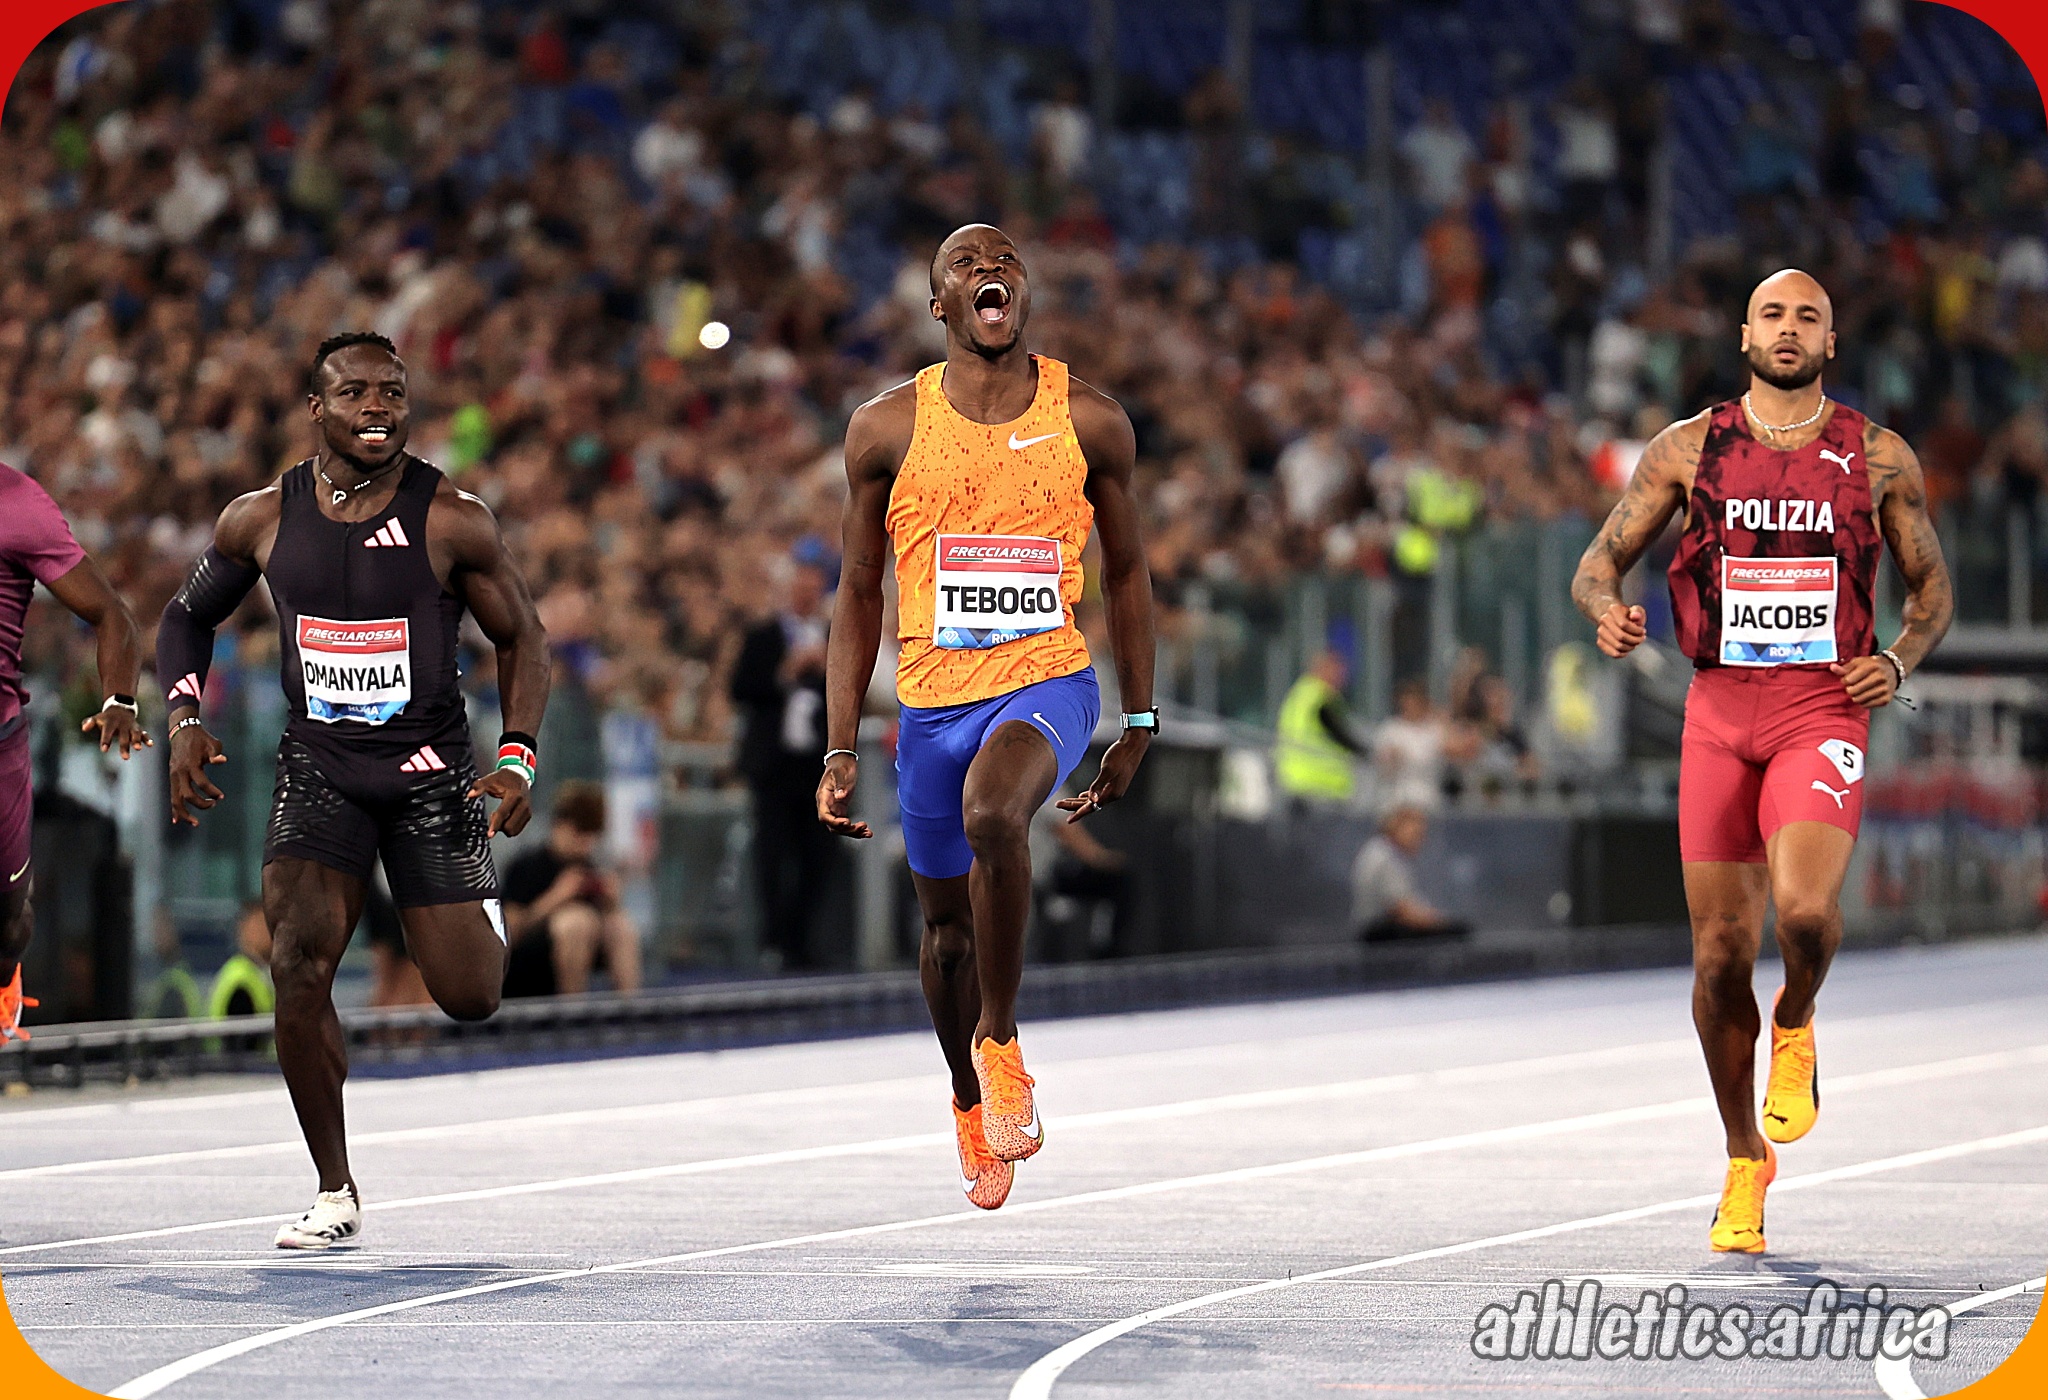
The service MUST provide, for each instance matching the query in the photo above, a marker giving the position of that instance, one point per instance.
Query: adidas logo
(188, 686)
(425, 761)
(390, 535)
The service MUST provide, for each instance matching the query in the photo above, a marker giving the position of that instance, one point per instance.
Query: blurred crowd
(633, 329)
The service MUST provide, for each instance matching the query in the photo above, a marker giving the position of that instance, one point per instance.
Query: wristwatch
(1147, 720)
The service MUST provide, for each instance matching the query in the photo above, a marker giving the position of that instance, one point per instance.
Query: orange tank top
(988, 521)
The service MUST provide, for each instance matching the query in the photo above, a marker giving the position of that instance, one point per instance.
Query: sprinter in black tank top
(372, 555)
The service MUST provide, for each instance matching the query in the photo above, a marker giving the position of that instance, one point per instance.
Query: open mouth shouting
(992, 302)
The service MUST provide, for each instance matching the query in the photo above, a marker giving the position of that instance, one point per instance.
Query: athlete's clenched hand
(1870, 680)
(835, 790)
(193, 751)
(515, 809)
(119, 727)
(1622, 629)
(1113, 779)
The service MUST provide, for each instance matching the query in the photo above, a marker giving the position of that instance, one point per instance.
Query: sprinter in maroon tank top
(1785, 494)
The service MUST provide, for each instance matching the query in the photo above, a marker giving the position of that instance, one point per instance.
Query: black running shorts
(342, 809)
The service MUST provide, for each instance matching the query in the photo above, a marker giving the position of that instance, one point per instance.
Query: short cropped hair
(342, 342)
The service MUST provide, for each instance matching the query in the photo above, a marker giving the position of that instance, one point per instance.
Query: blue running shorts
(935, 745)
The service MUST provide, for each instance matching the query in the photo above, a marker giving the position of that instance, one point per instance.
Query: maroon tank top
(1778, 559)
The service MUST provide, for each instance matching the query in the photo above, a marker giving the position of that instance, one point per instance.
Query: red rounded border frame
(25, 23)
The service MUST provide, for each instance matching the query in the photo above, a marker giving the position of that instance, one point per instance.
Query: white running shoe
(336, 1218)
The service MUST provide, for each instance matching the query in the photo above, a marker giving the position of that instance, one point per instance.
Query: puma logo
(1019, 444)
(1819, 786)
(1839, 460)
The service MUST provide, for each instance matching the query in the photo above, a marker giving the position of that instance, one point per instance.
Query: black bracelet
(515, 736)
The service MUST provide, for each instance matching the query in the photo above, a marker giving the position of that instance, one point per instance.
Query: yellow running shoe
(1009, 1116)
(1792, 1100)
(1739, 1221)
(11, 1004)
(984, 1176)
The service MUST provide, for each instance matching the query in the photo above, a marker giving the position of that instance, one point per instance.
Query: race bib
(991, 589)
(1777, 612)
(355, 670)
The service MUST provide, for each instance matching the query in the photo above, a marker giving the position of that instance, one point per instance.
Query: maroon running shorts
(1765, 747)
(16, 807)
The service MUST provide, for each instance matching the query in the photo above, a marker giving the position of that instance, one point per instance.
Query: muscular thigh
(311, 908)
(1013, 773)
(458, 948)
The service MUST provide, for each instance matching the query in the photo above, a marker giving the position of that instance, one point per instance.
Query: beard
(1797, 377)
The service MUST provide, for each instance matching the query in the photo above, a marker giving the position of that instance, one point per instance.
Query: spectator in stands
(1588, 156)
(1384, 903)
(778, 683)
(1439, 157)
(1317, 745)
(1410, 749)
(561, 903)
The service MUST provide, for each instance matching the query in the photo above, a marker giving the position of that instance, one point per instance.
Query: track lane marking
(629, 1113)
(1038, 1379)
(156, 1380)
(1895, 1374)
(1258, 1098)
(1249, 1099)
(1867, 967)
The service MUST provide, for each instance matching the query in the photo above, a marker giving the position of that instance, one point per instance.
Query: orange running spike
(1009, 1114)
(985, 1177)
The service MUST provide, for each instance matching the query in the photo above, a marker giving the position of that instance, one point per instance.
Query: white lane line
(1037, 1381)
(1257, 1098)
(629, 1113)
(511, 1077)
(1895, 1374)
(1260, 1098)
(154, 1381)
(567, 1118)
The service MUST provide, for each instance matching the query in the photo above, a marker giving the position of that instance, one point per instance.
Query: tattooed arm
(1901, 494)
(1656, 492)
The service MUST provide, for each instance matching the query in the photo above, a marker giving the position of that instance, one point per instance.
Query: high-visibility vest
(174, 994)
(241, 973)
(1310, 763)
(1440, 501)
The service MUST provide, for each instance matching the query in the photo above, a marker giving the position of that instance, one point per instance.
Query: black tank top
(366, 629)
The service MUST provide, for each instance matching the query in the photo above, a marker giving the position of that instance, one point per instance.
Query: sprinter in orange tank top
(986, 473)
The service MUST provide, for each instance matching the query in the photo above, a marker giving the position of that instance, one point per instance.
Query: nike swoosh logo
(1034, 714)
(968, 1183)
(1031, 1129)
(1019, 444)
(18, 874)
